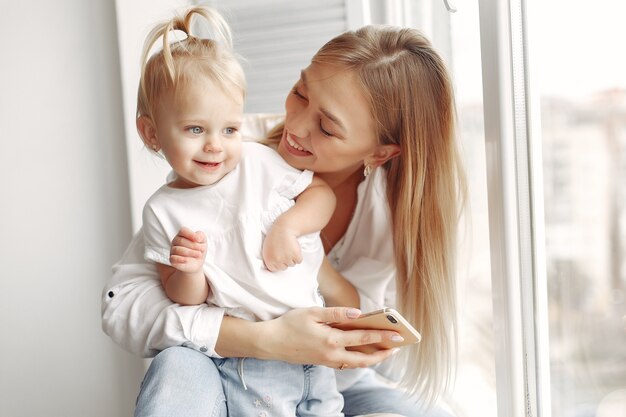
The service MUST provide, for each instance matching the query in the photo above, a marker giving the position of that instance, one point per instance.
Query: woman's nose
(299, 124)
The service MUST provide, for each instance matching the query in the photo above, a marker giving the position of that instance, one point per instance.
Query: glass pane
(581, 74)
(475, 390)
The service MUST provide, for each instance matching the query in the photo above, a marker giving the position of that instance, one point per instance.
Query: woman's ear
(382, 154)
(147, 131)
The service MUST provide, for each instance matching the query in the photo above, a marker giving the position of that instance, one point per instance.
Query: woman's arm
(138, 316)
(336, 290)
(302, 336)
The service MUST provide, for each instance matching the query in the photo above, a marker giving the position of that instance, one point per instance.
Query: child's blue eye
(196, 130)
(230, 131)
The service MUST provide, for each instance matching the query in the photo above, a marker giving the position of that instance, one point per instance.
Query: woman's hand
(304, 336)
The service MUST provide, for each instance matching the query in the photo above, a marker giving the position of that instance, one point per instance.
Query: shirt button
(203, 349)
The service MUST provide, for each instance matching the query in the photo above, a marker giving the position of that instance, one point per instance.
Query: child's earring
(155, 149)
(367, 170)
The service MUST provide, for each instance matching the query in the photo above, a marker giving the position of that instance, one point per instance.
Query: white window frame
(515, 195)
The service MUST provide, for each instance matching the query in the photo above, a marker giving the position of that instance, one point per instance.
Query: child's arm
(312, 211)
(336, 290)
(184, 282)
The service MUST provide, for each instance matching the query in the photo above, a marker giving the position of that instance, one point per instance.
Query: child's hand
(188, 250)
(281, 249)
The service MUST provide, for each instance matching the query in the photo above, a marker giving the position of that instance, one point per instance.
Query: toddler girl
(235, 226)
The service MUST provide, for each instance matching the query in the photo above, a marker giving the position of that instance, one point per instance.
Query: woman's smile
(294, 147)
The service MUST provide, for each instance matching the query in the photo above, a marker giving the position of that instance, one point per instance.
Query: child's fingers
(282, 264)
(187, 243)
(275, 266)
(183, 263)
(200, 237)
(183, 242)
(178, 261)
(184, 251)
(187, 233)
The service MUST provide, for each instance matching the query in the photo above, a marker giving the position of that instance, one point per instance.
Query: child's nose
(213, 144)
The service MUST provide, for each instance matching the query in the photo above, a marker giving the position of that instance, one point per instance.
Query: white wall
(64, 210)
(134, 20)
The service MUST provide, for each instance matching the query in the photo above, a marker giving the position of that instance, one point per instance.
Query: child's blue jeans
(254, 387)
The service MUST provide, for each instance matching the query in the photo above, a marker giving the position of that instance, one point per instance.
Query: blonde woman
(372, 115)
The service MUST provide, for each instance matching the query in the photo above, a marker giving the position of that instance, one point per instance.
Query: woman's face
(328, 126)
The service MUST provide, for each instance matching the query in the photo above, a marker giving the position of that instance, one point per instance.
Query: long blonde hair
(412, 102)
(182, 61)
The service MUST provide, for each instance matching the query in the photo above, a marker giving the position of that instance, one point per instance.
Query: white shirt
(235, 214)
(138, 316)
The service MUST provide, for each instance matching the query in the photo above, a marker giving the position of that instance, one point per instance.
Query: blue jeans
(369, 395)
(183, 382)
(262, 388)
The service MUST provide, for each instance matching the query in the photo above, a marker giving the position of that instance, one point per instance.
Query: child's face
(198, 131)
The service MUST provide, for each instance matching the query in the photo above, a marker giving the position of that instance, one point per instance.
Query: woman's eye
(196, 130)
(325, 132)
(296, 93)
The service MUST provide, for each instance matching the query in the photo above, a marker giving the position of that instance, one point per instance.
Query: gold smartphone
(385, 319)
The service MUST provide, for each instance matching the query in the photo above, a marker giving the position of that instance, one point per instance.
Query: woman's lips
(294, 147)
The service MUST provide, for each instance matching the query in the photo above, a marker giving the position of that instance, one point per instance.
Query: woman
(373, 115)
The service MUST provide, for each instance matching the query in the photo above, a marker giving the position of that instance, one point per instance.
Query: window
(277, 39)
(581, 84)
(541, 101)
(554, 118)
(474, 393)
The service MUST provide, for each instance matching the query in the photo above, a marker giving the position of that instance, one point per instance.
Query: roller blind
(277, 39)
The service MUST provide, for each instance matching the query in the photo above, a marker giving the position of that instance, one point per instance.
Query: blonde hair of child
(179, 62)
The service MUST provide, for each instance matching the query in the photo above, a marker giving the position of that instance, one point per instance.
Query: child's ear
(382, 154)
(147, 131)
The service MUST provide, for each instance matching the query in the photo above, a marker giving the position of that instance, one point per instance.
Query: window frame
(515, 199)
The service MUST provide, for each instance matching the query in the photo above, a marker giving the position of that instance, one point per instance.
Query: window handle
(450, 6)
